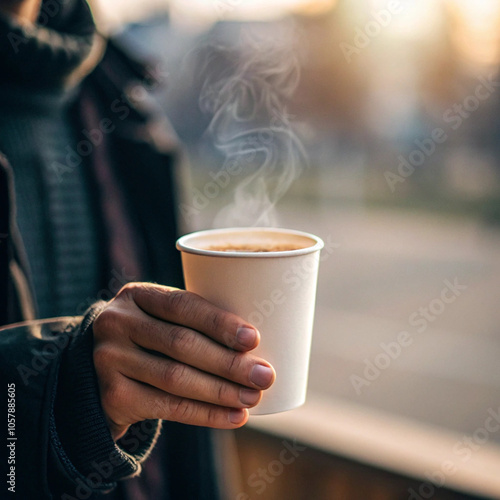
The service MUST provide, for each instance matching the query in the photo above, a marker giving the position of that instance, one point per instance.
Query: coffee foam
(271, 247)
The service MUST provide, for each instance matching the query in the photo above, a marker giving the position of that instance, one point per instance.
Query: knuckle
(129, 290)
(180, 410)
(222, 392)
(157, 406)
(179, 302)
(180, 339)
(106, 321)
(175, 374)
(233, 365)
(104, 356)
(215, 321)
(115, 395)
(212, 417)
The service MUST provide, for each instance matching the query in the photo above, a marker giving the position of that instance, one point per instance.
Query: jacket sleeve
(62, 447)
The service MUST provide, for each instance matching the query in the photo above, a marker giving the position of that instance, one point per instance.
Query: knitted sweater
(54, 208)
(65, 231)
(54, 214)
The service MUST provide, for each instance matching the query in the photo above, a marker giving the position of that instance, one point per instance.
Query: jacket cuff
(80, 433)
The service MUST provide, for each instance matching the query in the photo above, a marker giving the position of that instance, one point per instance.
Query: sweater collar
(47, 53)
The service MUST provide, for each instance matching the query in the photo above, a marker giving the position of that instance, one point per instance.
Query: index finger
(188, 309)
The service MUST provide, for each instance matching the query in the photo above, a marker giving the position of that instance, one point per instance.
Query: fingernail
(261, 375)
(249, 396)
(237, 416)
(246, 336)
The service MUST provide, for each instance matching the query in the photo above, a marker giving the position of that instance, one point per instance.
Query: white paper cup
(273, 290)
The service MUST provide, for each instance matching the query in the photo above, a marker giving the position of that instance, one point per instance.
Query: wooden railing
(274, 468)
(334, 450)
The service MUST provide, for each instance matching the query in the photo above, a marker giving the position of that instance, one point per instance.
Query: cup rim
(183, 245)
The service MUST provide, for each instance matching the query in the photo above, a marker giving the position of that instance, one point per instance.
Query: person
(115, 377)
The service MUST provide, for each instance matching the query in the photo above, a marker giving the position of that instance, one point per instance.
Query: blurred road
(386, 277)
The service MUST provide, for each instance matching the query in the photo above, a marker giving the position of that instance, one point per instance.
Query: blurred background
(375, 125)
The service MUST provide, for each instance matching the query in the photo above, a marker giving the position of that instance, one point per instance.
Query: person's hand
(165, 353)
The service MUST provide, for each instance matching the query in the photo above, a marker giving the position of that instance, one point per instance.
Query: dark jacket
(62, 446)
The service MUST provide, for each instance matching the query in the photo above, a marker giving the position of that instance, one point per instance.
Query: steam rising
(252, 128)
